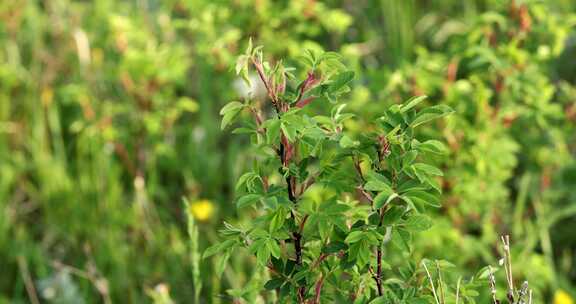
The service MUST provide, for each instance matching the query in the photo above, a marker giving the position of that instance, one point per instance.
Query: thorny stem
(290, 183)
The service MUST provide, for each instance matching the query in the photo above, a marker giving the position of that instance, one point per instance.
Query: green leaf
(262, 255)
(423, 197)
(431, 170)
(393, 215)
(418, 222)
(372, 175)
(411, 185)
(212, 250)
(278, 219)
(274, 248)
(334, 247)
(323, 227)
(231, 106)
(408, 158)
(412, 102)
(376, 185)
(289, 131)
(221, 262)
(431, 113)
(229, 112)
(336, 209)
(274, 283)
(383, 198)
(340, 81)
(432, 146)
(272, 130)
(347, 142)
(354, 237)
(247, 200)
(400, 239)
(245, 179)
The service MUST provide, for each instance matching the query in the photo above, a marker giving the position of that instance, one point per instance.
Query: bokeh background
(109, 121)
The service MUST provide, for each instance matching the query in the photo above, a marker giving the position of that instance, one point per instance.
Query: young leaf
(412, 102)
(229, 112)
(431, 113)
(340, 81)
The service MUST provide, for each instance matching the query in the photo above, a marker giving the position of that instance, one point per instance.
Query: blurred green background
(109, 119)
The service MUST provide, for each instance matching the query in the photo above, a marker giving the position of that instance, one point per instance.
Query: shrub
(327, 206)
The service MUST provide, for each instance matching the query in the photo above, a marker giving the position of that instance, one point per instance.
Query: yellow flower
(202, 210)
(562, 297)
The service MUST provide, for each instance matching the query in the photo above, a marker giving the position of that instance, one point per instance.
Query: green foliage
(363, 188)
(109, 116)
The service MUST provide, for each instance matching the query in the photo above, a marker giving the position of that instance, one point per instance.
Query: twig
(283, 152)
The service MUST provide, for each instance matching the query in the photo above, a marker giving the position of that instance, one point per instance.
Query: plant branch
(283, 153)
